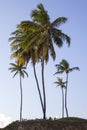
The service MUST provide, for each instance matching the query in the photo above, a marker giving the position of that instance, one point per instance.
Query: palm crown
(18, 69)
(60, 83)
(65, 67)
(39, 34)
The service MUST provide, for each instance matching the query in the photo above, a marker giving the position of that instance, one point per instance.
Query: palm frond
(40, 15)
(74, 68)
(58, 21)
(15, 74)
(59, 72)
(64, 63)
(25, 73)
(66, 38)
(51, 49)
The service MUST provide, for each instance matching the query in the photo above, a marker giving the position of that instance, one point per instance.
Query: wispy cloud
(4, 120)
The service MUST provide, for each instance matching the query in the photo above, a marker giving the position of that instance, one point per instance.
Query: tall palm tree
(60, 83)
(65, 67)
(40, 34)
(18, 69)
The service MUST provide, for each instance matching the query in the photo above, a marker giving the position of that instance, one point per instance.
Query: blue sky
(11, 14)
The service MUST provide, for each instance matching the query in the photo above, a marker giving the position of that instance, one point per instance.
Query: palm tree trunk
(21, 99)
(66, 95)
(43, 84)
(38, 88)
(62, 103)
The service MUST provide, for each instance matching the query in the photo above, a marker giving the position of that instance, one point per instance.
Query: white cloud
(4, 120)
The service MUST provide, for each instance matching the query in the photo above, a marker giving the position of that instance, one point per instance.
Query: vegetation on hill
(50, 124)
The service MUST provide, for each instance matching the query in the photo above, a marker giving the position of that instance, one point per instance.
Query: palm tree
(65, 67)
(19, 69)
(48, 33)
(40, 34)
(60, 83)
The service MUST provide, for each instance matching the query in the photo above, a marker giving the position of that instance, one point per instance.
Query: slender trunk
(66, 95)
(62, 103)
(44, 95)
(38, 88)
(21, 99)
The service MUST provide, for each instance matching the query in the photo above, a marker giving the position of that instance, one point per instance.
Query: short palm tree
(65, 67)
(19, 69)
(39, 34)
(62, 84)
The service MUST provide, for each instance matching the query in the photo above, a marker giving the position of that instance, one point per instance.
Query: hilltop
(50, 124)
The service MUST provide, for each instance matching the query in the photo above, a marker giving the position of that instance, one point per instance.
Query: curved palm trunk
(21, 99)
(66, 95)
(43, 84)
(62, 103)
(38, 88)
